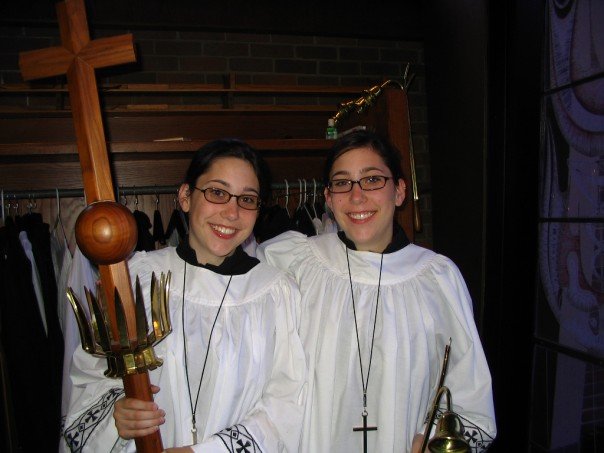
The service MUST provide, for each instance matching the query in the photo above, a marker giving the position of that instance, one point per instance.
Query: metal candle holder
(124, 357)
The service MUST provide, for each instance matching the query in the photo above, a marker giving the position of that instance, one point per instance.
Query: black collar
(399, 240)
(238, 263)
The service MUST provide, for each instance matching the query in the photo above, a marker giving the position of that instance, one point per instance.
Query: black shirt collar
(399, 240)
(238, 263)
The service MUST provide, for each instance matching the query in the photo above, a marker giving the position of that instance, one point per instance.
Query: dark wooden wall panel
(143, 126)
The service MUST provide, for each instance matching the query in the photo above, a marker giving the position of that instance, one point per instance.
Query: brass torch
(449, 432)
(123, 357)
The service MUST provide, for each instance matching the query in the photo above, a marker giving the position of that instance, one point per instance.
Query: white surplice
(81, 274)
(423, 301)
(253, 390)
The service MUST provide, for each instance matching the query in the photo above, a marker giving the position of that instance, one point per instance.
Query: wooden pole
(77, 58)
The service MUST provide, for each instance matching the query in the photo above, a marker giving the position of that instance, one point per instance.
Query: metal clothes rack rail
(293, 186)
(75, 193)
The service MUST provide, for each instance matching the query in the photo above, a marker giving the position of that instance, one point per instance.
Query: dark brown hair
(228, 147)
(365, 139)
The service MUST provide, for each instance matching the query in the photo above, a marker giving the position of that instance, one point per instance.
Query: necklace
(365, 381)
(205, 360)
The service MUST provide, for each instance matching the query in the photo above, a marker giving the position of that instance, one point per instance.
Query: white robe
(423, 302)
(81, 273)
(255, 376)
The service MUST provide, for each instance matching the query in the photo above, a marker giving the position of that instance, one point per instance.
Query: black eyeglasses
(374, 182)
(220, 196)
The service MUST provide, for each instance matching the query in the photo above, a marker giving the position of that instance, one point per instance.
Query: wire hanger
(306, 201)
(314, 197)
(15, 206)
(287, 197)
(31, 203)
(135, 200)
(299, 194)
(58, 221)
(158, 223)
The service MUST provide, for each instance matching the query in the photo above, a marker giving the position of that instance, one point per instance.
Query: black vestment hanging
(31, 358)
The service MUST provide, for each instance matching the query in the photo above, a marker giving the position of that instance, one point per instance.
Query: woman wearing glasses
(377, 314)
(234, 368)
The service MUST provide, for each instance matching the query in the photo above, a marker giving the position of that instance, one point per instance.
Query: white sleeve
(281, 250)
(468, 376)
(89, 424)
(275, 423)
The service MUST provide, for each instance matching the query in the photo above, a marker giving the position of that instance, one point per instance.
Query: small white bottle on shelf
(331, 133)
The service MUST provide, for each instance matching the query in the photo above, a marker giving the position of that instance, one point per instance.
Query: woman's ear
(184, 197)
(400, 192)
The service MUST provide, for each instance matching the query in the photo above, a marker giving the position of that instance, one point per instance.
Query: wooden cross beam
(108, 235)
(77, 58)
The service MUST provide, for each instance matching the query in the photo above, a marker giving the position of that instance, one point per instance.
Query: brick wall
(173, 56)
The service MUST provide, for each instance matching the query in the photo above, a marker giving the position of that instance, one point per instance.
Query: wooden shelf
(130, 88)
(152, 147)
(38, 149)
(8, 111)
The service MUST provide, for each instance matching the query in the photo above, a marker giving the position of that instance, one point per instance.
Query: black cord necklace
(205, 360)
(365, 382)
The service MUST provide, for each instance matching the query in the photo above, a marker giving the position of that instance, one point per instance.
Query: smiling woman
(377, 314)
(364, 211)
(219, 220)
(234, 369)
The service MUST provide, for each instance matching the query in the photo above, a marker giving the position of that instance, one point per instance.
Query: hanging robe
(33, 399)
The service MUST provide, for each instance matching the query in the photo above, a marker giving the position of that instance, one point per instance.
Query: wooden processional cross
(106, 231)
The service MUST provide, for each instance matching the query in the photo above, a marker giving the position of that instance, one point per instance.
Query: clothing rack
(75, 193)
(134, 190)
